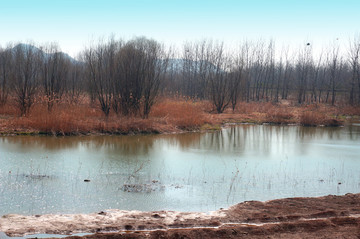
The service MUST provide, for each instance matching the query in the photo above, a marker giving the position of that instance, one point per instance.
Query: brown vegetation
(120, 83)
(185, 115)
(168, 115)
(82, 118)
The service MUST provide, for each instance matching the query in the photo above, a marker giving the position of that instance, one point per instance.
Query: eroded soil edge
(321, 217)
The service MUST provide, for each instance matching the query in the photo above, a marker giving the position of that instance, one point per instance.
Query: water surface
(186, 172)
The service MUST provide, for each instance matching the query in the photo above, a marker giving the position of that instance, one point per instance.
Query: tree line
(257, 72)
(125, 77)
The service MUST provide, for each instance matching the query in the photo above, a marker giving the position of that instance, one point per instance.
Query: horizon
(73, 25)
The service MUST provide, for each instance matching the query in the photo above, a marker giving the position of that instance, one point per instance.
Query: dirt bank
(322, 217)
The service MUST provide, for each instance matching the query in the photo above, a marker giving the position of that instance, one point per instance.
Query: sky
(74, 24)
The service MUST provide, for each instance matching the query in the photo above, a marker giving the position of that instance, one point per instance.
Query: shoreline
(201, 129)
(169, 116)
(326, 216)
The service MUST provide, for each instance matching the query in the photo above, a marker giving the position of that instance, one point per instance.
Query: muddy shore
(321, 217)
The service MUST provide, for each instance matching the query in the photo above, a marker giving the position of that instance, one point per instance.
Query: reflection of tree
(310, 133)
(183, 141)
(265, 139)
(354, 132)
(228, 140)
(249, 138)
(118, 145)
(239, 139)
(215, 141)
(124, 145)
(41, 142)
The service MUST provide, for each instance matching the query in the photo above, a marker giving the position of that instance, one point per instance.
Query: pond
(183, 172)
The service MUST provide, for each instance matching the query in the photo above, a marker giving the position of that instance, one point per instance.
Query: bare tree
(304, 62)
(55, 69)
(173, 76)
(189, 70)
(287, 76)
(100, 65)
(195, 68)
(156, 65)
(141, 65)
(354, 60)
(26, 70)
(335, 65)
(6, 73)
(130, 75)
(269, 76)
(258, 67)
(219, 77)
(316, 77)
(76, 84)
(236, 76)
(247, 61)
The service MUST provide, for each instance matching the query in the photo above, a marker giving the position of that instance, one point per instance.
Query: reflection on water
(188, 172)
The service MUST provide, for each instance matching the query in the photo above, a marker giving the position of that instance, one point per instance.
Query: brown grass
(68, 119)
(185, 115)
(350, 110)
(63, 119)
(168, 115)
(251, 107)
(312, 118)
(287, 113)
(279, 115)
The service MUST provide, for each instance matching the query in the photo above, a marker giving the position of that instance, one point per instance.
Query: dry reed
(168, 115)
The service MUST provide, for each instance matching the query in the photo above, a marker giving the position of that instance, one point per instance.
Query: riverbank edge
(207, 127)
(300, 217)
(169, 116)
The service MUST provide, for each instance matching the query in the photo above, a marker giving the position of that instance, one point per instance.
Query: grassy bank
(167, 116)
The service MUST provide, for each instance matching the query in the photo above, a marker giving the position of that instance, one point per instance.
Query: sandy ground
(322, 217)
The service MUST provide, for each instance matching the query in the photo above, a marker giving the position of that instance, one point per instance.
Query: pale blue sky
(74, 23)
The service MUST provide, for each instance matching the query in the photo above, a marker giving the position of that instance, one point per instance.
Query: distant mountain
(38, 50)
(25, 46)
(175, 65)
